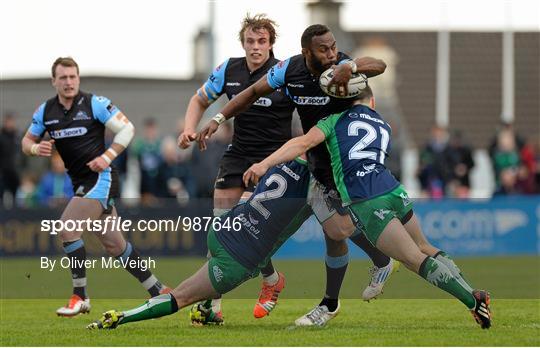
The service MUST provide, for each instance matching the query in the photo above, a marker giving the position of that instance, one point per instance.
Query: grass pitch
(381, 322)
(411, 312)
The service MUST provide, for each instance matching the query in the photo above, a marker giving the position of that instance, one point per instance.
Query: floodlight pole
(442, 103)
(507, 114)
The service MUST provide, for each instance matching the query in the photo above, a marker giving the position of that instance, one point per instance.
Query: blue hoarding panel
(500, 226)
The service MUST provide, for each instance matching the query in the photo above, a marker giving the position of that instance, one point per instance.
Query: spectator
(460, 161)
(504, 127)
(55, 187)
(175, 174)
(537, 164)
(26, 196)
(527, 172)
(147, 151)
(433, 172)
(9, 152)
(507, 181)
(506, 159)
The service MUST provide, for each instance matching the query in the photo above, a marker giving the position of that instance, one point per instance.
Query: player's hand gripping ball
(355, 86)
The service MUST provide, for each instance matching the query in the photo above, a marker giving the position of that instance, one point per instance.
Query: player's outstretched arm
(124, 132)
(235, 106)
(32, 146)
(198, 104)
(289, 151)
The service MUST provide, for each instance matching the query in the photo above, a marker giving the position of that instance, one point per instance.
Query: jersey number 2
(356, 152)
(278, 192)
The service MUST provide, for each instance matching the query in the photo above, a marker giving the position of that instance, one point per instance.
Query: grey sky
(154, 39)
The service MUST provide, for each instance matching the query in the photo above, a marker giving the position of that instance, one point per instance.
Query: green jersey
(358, 141)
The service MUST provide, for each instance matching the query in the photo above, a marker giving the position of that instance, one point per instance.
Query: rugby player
(258, 132)
(276, 210)
(76, 122)
(359, 141)
(299, 77)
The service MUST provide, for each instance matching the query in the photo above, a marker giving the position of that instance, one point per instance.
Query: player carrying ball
(358, 141)
(298, 76)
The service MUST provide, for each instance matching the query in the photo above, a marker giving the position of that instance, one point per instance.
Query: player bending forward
(272, 214)
(358, 141)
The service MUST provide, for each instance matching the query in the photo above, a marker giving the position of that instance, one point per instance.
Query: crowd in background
(446, 162)
(165, 171)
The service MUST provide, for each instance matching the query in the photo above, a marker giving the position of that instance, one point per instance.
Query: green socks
(456, 272)
(153, 308)
(441, 276)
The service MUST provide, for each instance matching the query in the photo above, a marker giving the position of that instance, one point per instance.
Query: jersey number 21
(357, 151)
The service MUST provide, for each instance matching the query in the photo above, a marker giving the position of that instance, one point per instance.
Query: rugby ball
(356, 84)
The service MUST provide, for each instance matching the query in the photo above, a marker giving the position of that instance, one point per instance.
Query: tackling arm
(289, 151)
